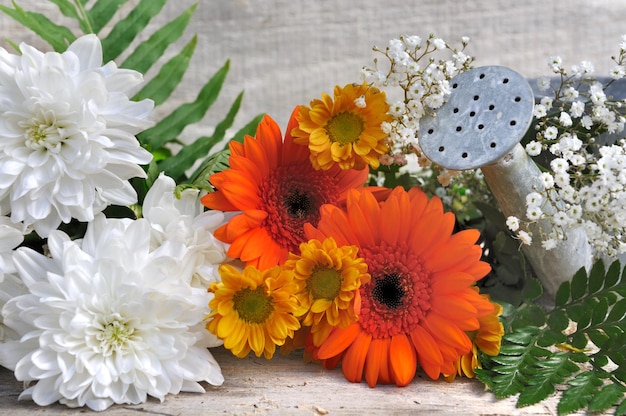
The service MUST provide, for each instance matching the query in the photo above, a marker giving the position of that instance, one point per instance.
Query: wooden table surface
(288, 386)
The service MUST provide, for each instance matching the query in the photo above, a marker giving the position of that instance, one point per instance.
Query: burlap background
(287, 52)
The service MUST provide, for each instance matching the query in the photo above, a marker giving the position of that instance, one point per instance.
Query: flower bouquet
(126, 253)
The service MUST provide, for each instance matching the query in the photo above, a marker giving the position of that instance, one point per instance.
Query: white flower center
(116, 335)
(43, 132)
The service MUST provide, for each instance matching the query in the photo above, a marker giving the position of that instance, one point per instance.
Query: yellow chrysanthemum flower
(329, 278)
(487, 339)
(345, 129)
(253, 310)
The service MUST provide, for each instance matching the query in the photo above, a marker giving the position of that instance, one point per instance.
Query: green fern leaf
(168, 129)
(102, 12)
(582, 389)
(59, 37)
(621, 409)
(159, 88)
(607, 397)
(151, 50)
(176, 165)
(529, 365)
(125, 31)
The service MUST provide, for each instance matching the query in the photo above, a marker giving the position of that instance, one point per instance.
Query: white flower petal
(67, 134)
(107, 320)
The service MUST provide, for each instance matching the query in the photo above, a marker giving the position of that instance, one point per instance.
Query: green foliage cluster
(117, 42)
(576, 347)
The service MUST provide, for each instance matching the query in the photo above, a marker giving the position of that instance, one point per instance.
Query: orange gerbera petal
(338, 341)
(403, 359)
(354, 360)
(377, 362)
(273, 176)
(418, 302)
(429, 351)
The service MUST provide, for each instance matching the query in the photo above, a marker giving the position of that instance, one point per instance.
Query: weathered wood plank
(286, 386)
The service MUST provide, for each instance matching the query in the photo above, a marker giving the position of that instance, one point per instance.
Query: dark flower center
(292, 196)
(388, 291)
(299, 204)
(345, 128)
(253, 306)
(398, 296)
(324, 283)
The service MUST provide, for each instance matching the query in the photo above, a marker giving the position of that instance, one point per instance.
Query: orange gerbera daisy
(253, 310)
(273, 184)
(329, 278)
(345, 130)
(419, 303)
(486, 339)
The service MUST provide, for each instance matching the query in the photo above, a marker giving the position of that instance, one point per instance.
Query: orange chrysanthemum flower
(345, 130)
(487, 339)
(277, 191)
(329, 278)
(419, 303)
(253, 310)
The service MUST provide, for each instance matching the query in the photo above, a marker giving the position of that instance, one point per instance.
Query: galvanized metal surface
(487, 112)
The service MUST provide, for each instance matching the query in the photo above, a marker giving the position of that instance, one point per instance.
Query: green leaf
(532, 290)
(102, 12)
(598, 338)
(597, 279)
(522, 336)
(582, 389)
(612, 277)
(159, 88)
(562, 294)
(550, 337)
(535, 393)
(607, 397)
(176, 166)
(621, 409)
(125, 30)
(558, 320)
(67, 8)
(579, 283)
(618, 312)
(169, 128)
(151, 50)
(578, 313)
(599, 310)
(217, 162)
(59, 37)
(530, 315)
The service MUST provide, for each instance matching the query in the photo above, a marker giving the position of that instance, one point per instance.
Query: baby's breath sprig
(419, 77)
(577, 141)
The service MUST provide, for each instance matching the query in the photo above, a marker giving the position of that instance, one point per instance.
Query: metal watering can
(480, 126)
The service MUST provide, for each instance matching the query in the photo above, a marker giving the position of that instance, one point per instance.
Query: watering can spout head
(487, 113)
(481, 125)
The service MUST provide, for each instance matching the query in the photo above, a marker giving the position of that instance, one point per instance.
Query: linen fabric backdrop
(287, 52)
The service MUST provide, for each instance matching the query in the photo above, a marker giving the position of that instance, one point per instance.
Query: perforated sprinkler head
(486, 115)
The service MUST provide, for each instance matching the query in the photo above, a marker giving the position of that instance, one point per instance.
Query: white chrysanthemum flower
(106, 320)
(185, 221)
(11, 236)
(67, 134)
